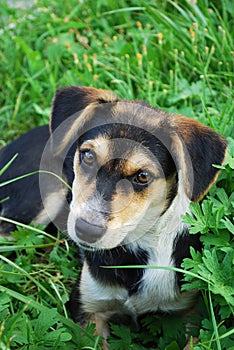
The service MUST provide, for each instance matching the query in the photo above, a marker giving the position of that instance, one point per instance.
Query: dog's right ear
(70, 112)
(72, 99)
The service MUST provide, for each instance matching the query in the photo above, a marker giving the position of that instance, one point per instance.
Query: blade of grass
(29, 276)
(216, 332)
(13, 248)
(8, 164)
(39, 307)
(34, 173)
(125, 9)
(32, 229)
(159, 268)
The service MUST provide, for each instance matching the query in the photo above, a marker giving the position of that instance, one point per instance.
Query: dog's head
(133, 165)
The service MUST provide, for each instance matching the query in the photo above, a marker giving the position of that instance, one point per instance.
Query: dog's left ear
(198, 148)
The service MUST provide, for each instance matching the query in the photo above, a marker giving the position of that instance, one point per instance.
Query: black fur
(21, 199)
(120, 256)
(181, 249)
(129, 278)
(22, 193)
(74, 305)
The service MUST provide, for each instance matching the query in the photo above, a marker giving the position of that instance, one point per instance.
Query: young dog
(134, 170)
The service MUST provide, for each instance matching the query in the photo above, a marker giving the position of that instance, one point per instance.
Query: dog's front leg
(102, 328)
(191, 340)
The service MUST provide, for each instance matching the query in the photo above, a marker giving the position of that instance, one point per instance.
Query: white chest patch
(158, 289)
(157, 292)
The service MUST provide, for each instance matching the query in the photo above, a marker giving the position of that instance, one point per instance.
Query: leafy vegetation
(175, 55)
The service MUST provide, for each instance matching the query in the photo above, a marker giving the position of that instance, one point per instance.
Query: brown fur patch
(198, 149)
(127, 209)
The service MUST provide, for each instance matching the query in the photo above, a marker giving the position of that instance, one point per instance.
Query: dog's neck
(171, 220)
(168, 225)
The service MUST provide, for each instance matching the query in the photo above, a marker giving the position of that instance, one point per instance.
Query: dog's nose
(88, 232)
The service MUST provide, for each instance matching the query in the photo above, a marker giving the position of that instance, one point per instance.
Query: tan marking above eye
(99, 147)
(139, 160)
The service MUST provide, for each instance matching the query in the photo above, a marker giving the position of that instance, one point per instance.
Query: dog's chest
(132, 290)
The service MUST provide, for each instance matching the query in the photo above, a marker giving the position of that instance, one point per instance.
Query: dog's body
(19, 206)
(21, 200)
(136, 170)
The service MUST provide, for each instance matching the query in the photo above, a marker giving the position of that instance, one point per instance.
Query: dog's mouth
(88, 247)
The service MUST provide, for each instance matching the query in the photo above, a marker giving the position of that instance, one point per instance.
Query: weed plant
(177, 55)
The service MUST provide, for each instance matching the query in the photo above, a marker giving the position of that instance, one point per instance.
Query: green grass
(174, 55)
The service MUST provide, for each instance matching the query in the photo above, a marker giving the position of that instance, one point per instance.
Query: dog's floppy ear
(72, 99)
(69, 112)
(198, 148)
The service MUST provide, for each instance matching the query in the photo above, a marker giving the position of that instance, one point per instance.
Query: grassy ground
(174, 55)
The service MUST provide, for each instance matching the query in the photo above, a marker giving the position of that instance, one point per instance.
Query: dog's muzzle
(88, 232)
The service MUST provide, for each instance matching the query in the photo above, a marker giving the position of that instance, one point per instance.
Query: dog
(134, 170)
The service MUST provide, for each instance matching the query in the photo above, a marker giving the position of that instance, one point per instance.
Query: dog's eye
(88, 157)
(143, 177)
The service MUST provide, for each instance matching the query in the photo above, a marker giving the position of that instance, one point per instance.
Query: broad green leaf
(229, 225)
